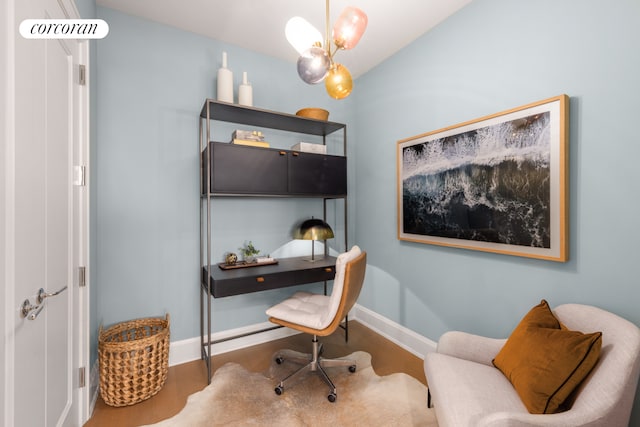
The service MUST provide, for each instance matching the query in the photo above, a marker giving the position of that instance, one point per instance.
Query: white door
(45, 224)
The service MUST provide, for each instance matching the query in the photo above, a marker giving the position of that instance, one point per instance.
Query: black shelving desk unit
(274, 173)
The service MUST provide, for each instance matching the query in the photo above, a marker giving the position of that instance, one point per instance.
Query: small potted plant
(249, 252)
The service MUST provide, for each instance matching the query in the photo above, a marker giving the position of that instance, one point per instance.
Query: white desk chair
(320, 315)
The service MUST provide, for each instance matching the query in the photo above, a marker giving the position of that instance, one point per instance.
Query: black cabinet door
(243, 170)
(237, 169)
(317, 174)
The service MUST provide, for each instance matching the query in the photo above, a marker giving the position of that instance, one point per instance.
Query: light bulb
(338, 82)
(301, 34)
(349, 27)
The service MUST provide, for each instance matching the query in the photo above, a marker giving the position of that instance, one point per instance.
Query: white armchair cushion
(314, 310)
(456, 403)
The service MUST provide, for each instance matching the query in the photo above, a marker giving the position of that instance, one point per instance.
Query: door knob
(30, 311)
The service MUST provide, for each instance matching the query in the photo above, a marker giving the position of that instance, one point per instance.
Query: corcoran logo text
(64, 29)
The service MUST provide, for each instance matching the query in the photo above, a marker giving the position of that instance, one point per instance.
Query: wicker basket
(134, 360)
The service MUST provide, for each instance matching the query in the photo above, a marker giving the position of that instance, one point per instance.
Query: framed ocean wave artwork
(495, 184)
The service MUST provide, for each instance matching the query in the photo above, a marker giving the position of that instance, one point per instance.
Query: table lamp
(313, 229)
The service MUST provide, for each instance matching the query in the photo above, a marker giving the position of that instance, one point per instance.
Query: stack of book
(309, 147)
(252, 138)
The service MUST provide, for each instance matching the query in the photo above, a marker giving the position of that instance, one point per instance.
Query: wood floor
(188, 378)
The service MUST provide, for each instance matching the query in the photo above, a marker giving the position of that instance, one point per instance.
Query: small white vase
(225, 81)
(245, 92)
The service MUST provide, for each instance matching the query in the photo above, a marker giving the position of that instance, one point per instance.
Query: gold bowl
(314, 113)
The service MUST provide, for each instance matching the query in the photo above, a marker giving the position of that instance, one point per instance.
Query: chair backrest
(607, 394)
(346, 287)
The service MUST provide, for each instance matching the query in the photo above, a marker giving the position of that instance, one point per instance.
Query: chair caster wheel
(352, 368)
(279, 360)
(332, 397)
(279, 390)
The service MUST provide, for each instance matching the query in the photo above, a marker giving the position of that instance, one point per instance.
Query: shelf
(252, 116)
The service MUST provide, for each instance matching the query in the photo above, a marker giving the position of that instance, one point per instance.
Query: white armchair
(467, 390)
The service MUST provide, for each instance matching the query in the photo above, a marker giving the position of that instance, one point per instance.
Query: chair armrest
(471, 347)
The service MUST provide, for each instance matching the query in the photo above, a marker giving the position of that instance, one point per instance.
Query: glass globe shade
(349, 27)
(338, 82)
(313, 65)
(301, 34)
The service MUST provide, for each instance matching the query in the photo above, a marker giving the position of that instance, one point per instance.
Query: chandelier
(316, 62)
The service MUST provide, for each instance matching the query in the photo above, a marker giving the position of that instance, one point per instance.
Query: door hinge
(82, 381)
(82, 276)
(80, 176)
(82, 74)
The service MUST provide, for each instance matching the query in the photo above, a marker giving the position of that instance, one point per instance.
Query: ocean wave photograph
(491, 184)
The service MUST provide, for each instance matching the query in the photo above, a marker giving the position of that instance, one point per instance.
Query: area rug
(237, 397)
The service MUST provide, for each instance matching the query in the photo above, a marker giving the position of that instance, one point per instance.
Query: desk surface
(288, 272)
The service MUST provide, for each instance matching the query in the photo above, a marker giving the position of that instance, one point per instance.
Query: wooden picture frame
(495, 184)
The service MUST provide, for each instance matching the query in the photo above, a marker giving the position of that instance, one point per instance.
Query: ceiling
(258, 25)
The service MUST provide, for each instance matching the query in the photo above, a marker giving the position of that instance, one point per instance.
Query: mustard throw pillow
(546, 362)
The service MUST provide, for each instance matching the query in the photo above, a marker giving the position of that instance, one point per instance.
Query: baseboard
(187, 350)
(394, 332)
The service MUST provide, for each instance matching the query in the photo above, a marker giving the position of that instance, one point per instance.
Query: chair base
(316, 363)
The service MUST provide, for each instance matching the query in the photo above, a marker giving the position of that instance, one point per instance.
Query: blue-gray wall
(491, 56)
